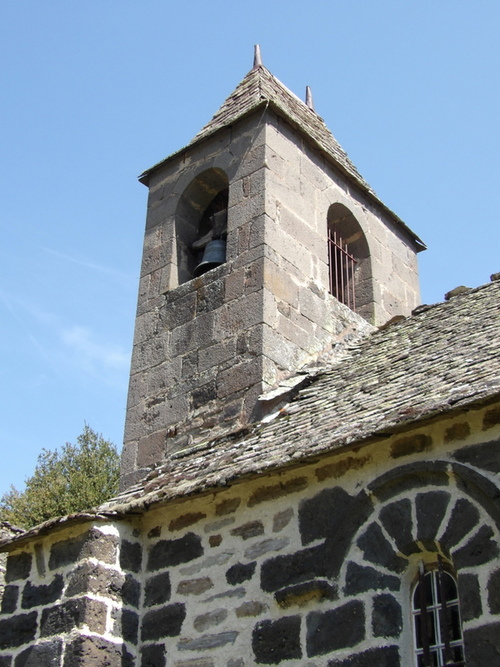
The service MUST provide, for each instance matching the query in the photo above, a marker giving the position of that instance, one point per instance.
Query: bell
(214, 255)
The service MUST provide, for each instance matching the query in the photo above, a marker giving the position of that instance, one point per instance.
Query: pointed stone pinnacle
(257, 58)
(309, 98)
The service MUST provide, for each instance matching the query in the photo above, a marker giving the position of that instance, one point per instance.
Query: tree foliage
(73, 479)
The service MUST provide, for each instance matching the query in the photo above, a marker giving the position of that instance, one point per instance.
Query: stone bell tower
(264, 249)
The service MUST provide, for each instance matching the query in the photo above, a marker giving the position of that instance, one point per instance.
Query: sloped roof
(444, 357)
(260, 88)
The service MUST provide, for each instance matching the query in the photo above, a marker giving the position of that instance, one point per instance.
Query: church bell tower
(264, 250)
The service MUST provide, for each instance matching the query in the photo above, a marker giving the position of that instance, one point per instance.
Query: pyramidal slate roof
(260, 88)
(443, 358)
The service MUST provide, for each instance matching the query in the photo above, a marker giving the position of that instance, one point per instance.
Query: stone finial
(257, 58)
(309, 98)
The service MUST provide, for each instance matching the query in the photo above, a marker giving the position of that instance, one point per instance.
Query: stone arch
(342, 221)
(193, 203)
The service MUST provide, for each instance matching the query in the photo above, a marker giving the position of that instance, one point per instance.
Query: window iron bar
(342, 267)
(444, 614)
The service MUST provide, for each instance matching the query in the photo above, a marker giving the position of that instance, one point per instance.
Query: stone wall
(204, 350)
(311, 566)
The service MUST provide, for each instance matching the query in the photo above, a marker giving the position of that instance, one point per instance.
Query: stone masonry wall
(313, 566)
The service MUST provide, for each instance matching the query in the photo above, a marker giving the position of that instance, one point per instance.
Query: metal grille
(342, 266)
(436, 618)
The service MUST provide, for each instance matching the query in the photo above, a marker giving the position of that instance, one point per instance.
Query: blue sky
(95, 92)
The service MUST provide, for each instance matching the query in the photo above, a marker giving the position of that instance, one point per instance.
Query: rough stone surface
(84, 651)
(282, 519)
(360, 579)
(186, 520)
(388, 656)
(430, 508)
(397, 520)
(387, 618)
(470, 597)
(251, 608)
(208, 620)
(9, 599)
(92, 543)
(157, 590)
(130, 556)
(493, 593)
(207, 641)
(73, 614)
(335, 629)
(167, 553)
(18, 567)
(18, 630)
(480, 549)
(378, 550)
(153, 656)
(131, 591)
(463, 518)
(482, 646)
(95, 578)
(47, 654)
(164, 622)
(248, 530)
(291, 569)
(194, 586)
(129, 625)
(275, 641)
(34, 596)
(303, 594)
(266, 493)
(240, 572)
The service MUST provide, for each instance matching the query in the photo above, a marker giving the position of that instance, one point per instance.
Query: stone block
(153, 655)
(480, 549)
(18, 567)
(360, 579)
(252, 608)
(482, 646)
(227, 506)
(92, 543)
(290, 569)
(430, 510)
(248, 530)
(386, 656)
(194, 586)
(276, 641)
(10, 597)
(274, 491)
(157, 590)
(163, 622)
(379, 551)
(131, 591)
(130, 556)
(36, 596)
(470, 596)
(47, 654)
(210, 619)
(73, 614)
(483, 456)
(411, 444)
(387, 617)
(207, 641)
(238, 377)
(167, 553)
(129, 626)
(335, 629)
(397, 521)
(306, 593)
(239, 573)
(18, 630)
(265, 546)
(94, 578)
(84, 650)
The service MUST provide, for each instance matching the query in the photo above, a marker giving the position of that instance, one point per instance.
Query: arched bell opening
(350, 270)
(201, 224)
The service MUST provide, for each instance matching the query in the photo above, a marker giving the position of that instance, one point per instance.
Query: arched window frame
(437, 628)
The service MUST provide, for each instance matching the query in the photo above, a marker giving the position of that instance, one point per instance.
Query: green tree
(73, 479)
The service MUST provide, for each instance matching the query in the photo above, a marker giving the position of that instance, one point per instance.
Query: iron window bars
(342, 267)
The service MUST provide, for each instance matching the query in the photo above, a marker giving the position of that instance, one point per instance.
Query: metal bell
(214, 255)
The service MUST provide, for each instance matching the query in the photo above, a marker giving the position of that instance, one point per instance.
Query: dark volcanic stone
(397, 520)
(164, 622)
(387, 619)
(482, 648)
(493, 593)
(9, 599)
(18, 567)
(73, 614)
(275, 641)
(336, 628)
(131, 591)
(157, 590)
(85, 651)
(47, 654)
(360, 579)
(304, 593)
(378, 550)
(17, 630)
(388, 656)
(295, 568)
(130, 626)
(411, 476)
(5, 661)
(479, 550)
(130, 556)
(430, 508)
(34, 596)
(153, 656)
(325, 514)
(470, 597)
(93, 543)
(483, 456)
(167, 553)
(463, 518)
(240, 572)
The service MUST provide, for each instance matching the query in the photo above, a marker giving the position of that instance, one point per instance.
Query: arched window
(349, 261)
(201, 217)
(438, 638)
